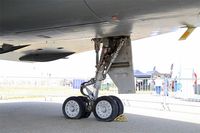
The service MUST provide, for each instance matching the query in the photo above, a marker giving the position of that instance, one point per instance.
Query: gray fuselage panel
(25, 15)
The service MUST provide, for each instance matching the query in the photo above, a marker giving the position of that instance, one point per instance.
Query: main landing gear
(104, 108)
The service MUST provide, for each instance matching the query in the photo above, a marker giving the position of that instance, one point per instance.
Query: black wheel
(86, 112)
(120, 105)
(73, 108)
(105, 109)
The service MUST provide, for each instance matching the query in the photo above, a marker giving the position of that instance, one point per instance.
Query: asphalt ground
(46, 117)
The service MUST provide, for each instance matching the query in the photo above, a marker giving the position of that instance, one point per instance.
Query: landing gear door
(121, 71)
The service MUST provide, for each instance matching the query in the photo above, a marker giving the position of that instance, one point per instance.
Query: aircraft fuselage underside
(27, 21)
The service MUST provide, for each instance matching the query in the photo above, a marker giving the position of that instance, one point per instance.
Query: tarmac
(39, 116)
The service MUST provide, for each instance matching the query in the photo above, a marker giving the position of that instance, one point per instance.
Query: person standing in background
(158, 85)
(165, 93)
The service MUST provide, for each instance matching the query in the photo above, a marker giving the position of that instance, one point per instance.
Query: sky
(160, 51)
(163, 50)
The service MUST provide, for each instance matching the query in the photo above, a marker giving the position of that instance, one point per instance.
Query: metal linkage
(110, 50)
(114, 56)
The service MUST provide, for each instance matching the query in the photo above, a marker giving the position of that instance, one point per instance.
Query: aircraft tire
(86, 112)
(105, 109)
(73, 108)
(120, 105)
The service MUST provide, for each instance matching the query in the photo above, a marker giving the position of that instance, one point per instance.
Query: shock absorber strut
(109, 52)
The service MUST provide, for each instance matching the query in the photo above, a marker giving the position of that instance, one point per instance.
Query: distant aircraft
(46, 30)
(158, 74)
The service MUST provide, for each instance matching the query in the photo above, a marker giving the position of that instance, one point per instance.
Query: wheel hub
(103, 109)
(72, 108)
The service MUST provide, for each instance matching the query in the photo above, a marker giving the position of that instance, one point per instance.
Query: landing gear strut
(105, 108)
